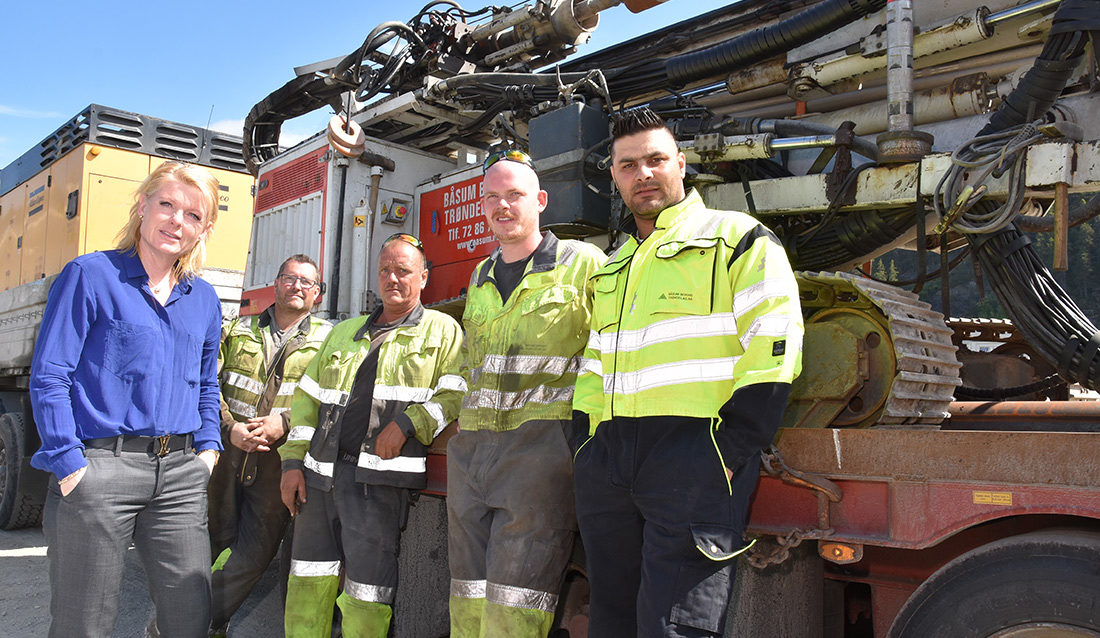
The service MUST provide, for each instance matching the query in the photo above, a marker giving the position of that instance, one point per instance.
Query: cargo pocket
(702, 594)
(702, 590)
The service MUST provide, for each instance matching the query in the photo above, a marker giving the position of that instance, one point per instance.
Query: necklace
(156, 289)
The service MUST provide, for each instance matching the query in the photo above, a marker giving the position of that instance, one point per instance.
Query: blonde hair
(129, 238)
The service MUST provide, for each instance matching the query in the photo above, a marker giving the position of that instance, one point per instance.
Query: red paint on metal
(255, 301)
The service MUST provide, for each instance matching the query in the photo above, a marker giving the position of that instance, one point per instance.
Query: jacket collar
(543, 259)
(412, 319)
(267, 317)
(672, 214)
(131, 265)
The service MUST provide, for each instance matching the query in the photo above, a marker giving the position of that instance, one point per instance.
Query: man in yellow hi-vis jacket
(509, 476)
(259, 364)
(363, 415)
(695, 338)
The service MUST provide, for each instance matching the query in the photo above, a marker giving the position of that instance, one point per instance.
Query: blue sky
(200, 61)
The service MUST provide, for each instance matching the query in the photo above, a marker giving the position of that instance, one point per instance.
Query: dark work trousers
(358, 526)
(159, 503)
(660, 525)
(247, 517)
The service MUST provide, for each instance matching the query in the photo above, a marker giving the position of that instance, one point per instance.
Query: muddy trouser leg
(314, 567)
(512, 529)
(261, 520)
(371, 517)
(693, 522)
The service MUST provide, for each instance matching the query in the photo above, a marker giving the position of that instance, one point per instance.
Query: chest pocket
(413, 356)
(244, 356)
(682, 279)
(128, 348)
(475, 320)
(298, 360)
(553, 318)
(608, 303)
(337, 371)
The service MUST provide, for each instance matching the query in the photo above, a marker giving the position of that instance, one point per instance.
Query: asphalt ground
(25, 594)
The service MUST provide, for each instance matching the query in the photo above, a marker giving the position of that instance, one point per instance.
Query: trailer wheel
(1039, 584)
(17, 508)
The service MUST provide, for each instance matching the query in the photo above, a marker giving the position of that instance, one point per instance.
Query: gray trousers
(159, 503)
(510, 513)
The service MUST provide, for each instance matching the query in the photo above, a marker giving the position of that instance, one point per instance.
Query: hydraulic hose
(1041, 309)
(761, 44)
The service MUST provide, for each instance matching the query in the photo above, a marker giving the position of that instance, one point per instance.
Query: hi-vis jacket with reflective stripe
(413, 380)
(257, 380)
(706, 306)
(521, 357)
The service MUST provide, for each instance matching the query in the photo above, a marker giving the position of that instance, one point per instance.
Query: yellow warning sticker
(358, 221)
(992, 498)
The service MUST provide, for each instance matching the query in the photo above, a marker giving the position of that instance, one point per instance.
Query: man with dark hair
(260, 362)
(695, 338)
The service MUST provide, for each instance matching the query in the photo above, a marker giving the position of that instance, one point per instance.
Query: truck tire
(17, 508)
(1021, 585)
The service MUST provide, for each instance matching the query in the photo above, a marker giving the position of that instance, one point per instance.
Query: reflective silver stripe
(397, 464)
(467, 588)
(240, 407)
(279, 410)
(451, 382)
(719, 324)
(324, 469)
(497, 400)
(594, 340)
(528, 364)
(510, 596)
(334, 397)
(745, 300)
(300, 433)
(766, 326)
(665, 374)
(435, 411)
(593, 366)
(368, 593)
(402, 393)
(313, 568)
(245, 383)
(286, 388)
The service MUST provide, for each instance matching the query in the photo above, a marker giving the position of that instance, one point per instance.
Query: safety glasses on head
(407, 238)
(510, 154)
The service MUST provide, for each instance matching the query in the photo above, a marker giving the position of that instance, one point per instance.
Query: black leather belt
(157, 445)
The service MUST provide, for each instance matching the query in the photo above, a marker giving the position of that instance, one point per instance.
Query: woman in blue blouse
(125, 396)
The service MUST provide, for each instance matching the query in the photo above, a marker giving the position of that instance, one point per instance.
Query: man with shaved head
(509, 469)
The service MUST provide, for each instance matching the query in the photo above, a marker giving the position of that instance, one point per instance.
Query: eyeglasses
(511, 154)
(407, 238)
(290, 280)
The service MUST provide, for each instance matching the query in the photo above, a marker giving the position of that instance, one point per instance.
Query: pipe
(1066, 416)
(1021, 10)
(334, 288)
(994, 64)
(899, 65)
